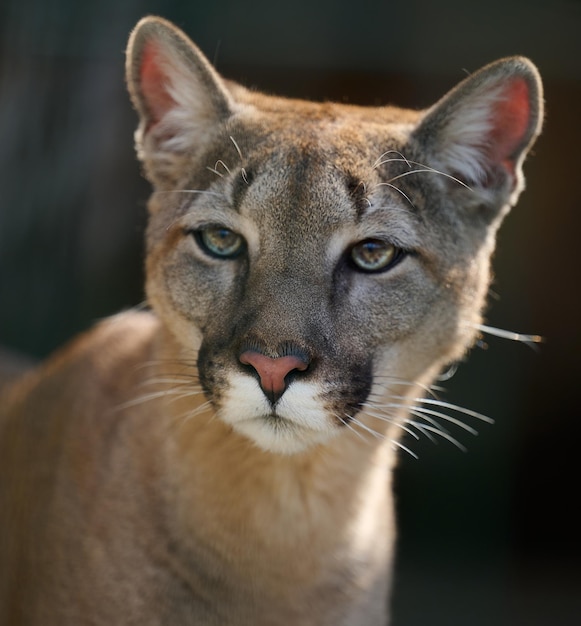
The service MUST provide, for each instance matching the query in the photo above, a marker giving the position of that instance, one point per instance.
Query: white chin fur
(300, 421)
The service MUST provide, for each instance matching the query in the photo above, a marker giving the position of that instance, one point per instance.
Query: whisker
(163, 368)
(215, 168)
(421, 411)
(396, 189)
(179, 420)
(144, 398)
(459, 409)
(430, 170)
(423, 168)
(532, 340)
(424, 432)
(162, 362)
(452, 407)
(220, 162)
(190, 393)
(388, 419)
(372, 432)
(439, 432)
(193, 191)
(400, 445)
(379, 161)
(377, 435)
(188, 415)
(169, 381)
(237, 148)
(243, 172)
(174, 394)
(426, 418)
(353, 430)
(429, 419)
(408, 383)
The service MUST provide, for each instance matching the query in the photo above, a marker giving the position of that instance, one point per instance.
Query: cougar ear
(178, 95)
(481, 131)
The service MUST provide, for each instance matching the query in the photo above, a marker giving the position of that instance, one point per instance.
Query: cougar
(224, 454)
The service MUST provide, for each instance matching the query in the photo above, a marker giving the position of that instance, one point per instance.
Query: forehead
(295, 182)
(301, 168)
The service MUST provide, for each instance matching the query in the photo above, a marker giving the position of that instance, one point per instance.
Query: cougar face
(294, 270)
(312, 256)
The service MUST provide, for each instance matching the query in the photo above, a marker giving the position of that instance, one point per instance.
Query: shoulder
(111, 342)
(107, 355)
(120, 335)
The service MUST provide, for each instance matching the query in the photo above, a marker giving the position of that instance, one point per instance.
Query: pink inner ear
(511, 121)
(154, 83)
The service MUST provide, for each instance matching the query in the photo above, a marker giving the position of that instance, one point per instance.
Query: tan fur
(146, 477)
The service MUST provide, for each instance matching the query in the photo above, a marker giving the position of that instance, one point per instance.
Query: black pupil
(373, 255)
(373, 251)
(223, 238)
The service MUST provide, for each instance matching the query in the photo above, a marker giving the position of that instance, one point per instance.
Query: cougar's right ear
(180, 98)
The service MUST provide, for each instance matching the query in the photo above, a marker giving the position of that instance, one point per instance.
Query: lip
(277, 422)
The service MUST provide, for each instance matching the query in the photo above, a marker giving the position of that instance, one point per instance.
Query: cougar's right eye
(375, 255)
(221, 242)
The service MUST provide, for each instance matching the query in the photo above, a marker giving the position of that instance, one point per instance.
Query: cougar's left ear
(178, 95)
(481, 131)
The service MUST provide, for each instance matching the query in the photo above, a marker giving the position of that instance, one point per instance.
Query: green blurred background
(487, 537)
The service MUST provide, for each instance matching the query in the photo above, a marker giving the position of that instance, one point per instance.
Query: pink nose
(272, 372)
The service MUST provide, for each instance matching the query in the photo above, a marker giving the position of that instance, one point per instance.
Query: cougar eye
(220, 241)
(375, 255)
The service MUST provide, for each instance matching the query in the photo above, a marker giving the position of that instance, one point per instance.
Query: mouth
(280, 435)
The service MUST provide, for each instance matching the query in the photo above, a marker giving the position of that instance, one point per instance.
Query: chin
(277, 435)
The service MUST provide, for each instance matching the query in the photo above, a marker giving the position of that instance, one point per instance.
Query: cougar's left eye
(220, 242)
(375, 255)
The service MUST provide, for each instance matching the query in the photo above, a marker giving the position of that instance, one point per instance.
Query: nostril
(273, 372)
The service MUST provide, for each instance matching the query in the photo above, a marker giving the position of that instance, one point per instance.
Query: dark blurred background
(486, 537)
